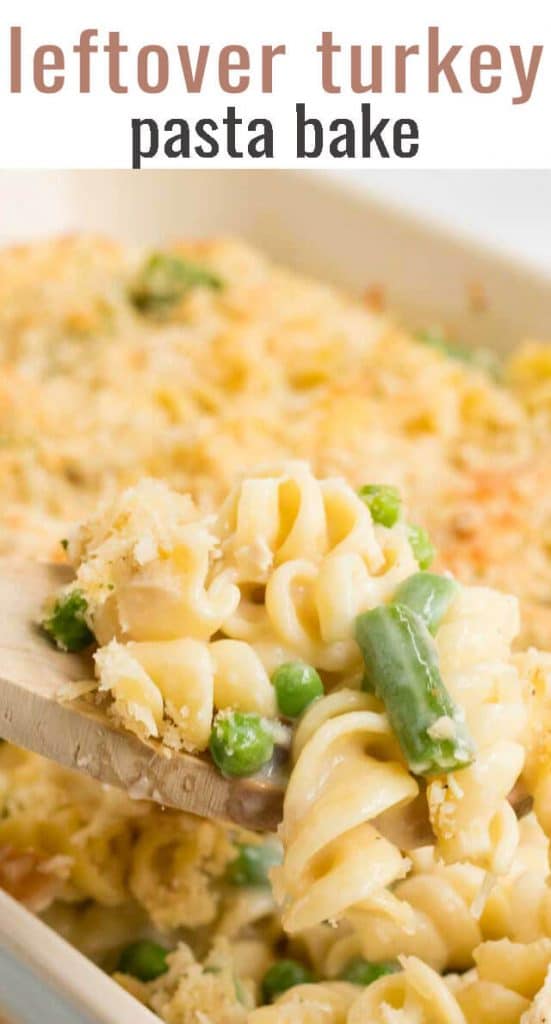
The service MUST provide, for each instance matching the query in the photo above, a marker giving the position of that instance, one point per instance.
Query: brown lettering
(161, 78)
(268, 54)
(48, 58)
(441, 66)
(193, 76)
(479, 64)
(327, 48)
(84, 48)
(15, 58)
(402, 54)
(376, 83)
(526, 76)
(114, 49)
(233, 58)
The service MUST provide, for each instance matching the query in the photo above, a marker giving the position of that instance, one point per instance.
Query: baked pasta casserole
(303, 538)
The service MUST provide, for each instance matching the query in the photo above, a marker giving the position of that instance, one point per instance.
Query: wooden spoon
(84, 737)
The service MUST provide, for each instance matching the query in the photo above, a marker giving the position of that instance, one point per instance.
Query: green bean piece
(252, 864)
(282, 975)
(429, 595)
(423, 549)
(240, 993)
(67, 624)
(166, 279)
(383, 501)
(483, 358)
(362, 972)
(401, 664)
(144, 959)
(432, 337)
(240, 742)
(296, 686)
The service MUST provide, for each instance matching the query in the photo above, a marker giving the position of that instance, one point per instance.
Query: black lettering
(303, 123)
(138, 152)
(231, 122)
(374, 134)
(406, 137)
(178, 143)
(344, 144)
(263, 143)
(205, 129)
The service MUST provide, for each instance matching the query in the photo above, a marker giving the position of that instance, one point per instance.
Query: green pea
(67, 625)
(240, 742)
(252, 864)
(283, 975)
(384, 503)
(144, 959)
(429, 595)
(296, 686)
(421, 545)
(361, 972)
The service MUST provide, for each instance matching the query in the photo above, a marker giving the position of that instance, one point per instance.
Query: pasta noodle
(535, 669)
(326, 1003)
(506, 984)
(347, 771)
(518, 908)
(313, 546)
(415, 995)
(470, 813)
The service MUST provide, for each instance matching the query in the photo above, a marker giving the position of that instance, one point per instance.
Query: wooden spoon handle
(78, 736)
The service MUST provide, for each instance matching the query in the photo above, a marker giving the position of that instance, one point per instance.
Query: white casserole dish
(311, 223)
(307, 220)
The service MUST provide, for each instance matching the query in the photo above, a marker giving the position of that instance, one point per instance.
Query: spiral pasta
(170, 688)
(415, 995)
(313, 546)
(535, 669)
(518, 907)
(509, 984)
(144, 564)
(470, 812)
(347, 770)
(322, 1003)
